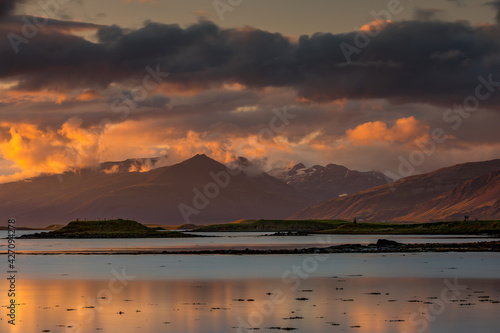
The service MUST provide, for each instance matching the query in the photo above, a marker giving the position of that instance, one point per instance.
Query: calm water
(368, 293)
(219, 293)
(224, 241)
(319, 305)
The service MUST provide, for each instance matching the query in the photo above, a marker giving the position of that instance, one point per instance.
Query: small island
(107, 229)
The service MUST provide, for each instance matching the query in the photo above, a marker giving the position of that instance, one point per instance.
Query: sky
(402, 87)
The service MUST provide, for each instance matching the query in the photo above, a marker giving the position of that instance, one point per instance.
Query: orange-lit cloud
(35, 151)
(375, 25)
(340, 103)
(169, 88)
(125, 140)
(405, 130)
(303, 100)
(234, 86)
(16, 96)
(135, 139)
(113, 169)
(88, 96)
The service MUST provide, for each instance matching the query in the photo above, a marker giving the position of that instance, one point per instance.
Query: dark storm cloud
(426, 14)
(408, 61)
(6, 7)
(458, 3)
(430, 62)
(16, 23)
(495, 5)
(110, 34)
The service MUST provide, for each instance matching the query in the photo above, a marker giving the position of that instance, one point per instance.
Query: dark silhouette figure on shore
(355, 221)
(466, 218)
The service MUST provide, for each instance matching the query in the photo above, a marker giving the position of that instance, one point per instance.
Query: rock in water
(386, 242)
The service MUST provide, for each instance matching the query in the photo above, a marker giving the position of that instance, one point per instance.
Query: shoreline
(382, 246)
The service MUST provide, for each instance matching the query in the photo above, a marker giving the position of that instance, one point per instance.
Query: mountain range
(469, 189)
(198, 190)
(201, 190)
(325, 182)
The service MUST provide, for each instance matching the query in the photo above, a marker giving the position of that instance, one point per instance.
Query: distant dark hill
(101, 227)
(107, 229)
(272, 225)
(446, 194)
(151, 197)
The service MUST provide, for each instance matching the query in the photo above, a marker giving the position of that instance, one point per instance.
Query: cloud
(406, 130)
(496, 6)
(6, 7)
(211, 123)
(252, 168)
(16, 24)
(223, 84)
(426, 14)
(36, 151)
(112, 169)
(375, 25)
(449, 55)
(457, 3)
(395, 65)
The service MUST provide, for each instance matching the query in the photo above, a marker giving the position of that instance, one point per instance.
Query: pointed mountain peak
(199, 158)
(200, 162)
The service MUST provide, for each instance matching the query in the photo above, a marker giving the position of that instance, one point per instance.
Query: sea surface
(222, 240)
(344, 292)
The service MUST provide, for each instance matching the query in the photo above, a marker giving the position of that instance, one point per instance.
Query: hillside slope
(445, 194)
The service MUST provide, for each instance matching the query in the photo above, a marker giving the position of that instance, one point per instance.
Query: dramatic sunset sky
(76, 87)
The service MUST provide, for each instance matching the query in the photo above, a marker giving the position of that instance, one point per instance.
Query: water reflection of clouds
(193, 267)
(375, 305)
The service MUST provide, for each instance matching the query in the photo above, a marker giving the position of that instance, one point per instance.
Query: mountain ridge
(201, 190)
(152, 197)
(330, 181)
(407, 199)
